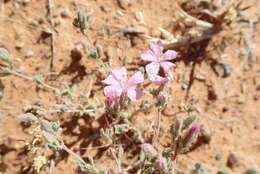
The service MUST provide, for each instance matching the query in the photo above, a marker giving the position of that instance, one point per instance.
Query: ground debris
(232, 161)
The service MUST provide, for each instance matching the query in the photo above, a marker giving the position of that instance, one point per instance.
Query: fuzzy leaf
(4, 55)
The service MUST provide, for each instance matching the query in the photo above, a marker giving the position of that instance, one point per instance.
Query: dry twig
(50, 6)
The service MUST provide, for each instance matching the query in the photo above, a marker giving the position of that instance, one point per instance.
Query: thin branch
(9, 71)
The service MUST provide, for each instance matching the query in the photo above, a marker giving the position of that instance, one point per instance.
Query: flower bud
(190, 137)
(194, 130)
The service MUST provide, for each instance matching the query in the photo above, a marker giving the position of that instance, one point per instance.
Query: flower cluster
(158, 71)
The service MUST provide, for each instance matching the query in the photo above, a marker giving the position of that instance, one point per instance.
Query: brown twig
(50, 6)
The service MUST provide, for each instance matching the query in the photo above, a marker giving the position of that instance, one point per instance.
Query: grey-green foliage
(5, 56)
(82, 21)
(5, 61)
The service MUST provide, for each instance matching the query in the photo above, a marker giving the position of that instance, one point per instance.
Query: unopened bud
(190, 137)
(149, 150)
(82, 21)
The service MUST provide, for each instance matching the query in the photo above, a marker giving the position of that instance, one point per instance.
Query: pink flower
(119, 84)
(158, 59)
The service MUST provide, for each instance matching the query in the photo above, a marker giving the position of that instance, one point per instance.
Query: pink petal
(167, 65)
(136, 78)
(134, 93)
(148, 55)
(112, 92)
(157, 47)
(110, 80)
(169, 55)
(120, 74)
(152, 68)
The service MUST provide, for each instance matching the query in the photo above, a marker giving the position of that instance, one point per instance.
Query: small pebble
(29, 54)
(19, 45)
(26, 1)
(225, 109)
(65, 13)
(184, 86)
(104, 9)
(218, 157)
